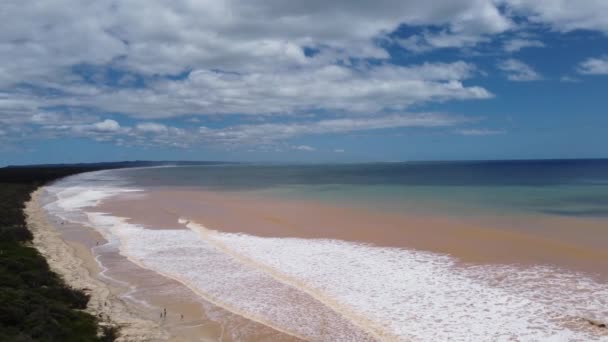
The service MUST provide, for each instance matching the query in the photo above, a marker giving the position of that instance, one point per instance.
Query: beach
(257, 265)
(132, 297)
(75, 264)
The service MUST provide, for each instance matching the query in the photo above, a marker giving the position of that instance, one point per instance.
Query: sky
(305, 81)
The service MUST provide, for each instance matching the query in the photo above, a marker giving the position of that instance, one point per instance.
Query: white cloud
(563, 15)
(337, 88)
(105, 126)
(160, 37)
(518, 71)
(594, 66)
(240, 62)
(468, 31)
(151, 127)
(431, 41)
(479, 131)
(248, 57)
(271, 132)
(260, 134)
(305, 148)
(516, 44)
(339, 150)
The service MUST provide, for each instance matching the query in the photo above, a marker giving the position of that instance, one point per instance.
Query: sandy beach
(130, 297)
(75, 264)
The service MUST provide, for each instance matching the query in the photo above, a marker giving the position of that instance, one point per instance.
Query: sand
(73, 265)
(132, 297)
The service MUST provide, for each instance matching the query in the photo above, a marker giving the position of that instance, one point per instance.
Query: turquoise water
(554, 187)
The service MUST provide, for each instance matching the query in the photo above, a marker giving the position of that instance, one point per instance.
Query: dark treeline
(35, 303)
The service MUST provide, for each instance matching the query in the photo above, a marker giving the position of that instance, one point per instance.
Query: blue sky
(302, 81)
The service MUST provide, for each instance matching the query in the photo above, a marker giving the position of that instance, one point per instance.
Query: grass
(35, 303)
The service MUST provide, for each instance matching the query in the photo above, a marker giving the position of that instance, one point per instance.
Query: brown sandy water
(578, 244)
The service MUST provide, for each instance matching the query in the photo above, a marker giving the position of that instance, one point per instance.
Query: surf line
(364, 323)
(211, 299)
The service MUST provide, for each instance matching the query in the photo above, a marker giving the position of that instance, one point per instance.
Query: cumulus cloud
(160, 37)
(516, 44)
(563, 15)
(238, 62)
(431, 41)
(105, 126)
(332, 87)
(517, 70)
(594, 66)
(64, 64)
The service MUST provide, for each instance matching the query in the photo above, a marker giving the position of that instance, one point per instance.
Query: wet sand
(571, 243)
(131, 297)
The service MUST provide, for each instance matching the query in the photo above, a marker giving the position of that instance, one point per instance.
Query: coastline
(249, 228)
(70, 262)
(259, 262)
(132, 295)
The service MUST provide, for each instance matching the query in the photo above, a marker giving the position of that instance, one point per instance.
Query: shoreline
(162, 210)
(134, 293)
(69, 262)
(258, 218)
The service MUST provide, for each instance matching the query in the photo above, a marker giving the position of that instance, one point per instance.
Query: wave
(336, 290)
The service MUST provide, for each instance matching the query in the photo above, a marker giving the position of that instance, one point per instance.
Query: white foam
(74, 193)
(298, 285)
(183, 255)
(425, 296)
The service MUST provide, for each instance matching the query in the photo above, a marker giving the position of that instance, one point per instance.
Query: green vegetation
(35, 304)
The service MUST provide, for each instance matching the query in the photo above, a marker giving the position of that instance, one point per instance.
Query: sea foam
(336, 290)
(424, 296)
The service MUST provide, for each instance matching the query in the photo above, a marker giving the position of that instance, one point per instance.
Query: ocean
(559, 187)
(463, 251)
